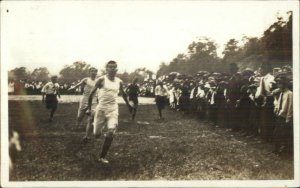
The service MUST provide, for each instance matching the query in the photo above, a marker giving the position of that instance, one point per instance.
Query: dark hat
(253, 86)
(212, 83)
(248, 73)
(223, 83)
(287, 68)
(282, 77)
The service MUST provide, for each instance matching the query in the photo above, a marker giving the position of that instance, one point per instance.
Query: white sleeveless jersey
(108, 94)
(89, 85)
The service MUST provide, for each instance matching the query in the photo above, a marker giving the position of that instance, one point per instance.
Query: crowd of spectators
(253, 103)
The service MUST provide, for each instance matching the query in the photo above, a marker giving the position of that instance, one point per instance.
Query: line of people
(257, 104)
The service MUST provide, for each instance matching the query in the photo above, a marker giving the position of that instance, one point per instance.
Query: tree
(277, 40)
(163, 69)
(232, 52)
(202, 55)
(141, 74)
(202, 51)
(74, 72)
(124, 77)
(275, 46)
(252, 46)
(40, 74)
(20, 73)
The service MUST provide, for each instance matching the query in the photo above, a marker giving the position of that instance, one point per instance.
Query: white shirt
(286, 110)
(171, 94)
(89, 85)
(50, 88)
(108, 94)
(200, 93)
(161, 91)
(265, 86)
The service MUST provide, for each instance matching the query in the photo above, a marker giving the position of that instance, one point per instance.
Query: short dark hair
(93, 68)
(111, 62)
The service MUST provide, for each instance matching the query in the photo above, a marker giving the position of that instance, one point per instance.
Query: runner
(51, 90)
(87, 83)
(107, 110)
(133, 91)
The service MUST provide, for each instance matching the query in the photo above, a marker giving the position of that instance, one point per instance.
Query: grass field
(180, 147)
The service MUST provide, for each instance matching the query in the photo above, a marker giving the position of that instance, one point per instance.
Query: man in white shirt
(196, 95)
(51, 90)
(161, 94)
(283, 132)
(107, 110)
(264, 91)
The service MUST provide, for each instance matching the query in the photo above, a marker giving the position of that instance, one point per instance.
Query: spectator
(264, 92)
(283, 132)
(161, 94)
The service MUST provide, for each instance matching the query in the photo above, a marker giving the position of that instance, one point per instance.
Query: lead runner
(107, 110)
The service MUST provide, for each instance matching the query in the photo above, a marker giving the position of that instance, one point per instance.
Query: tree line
(71, 73)
(275, 47)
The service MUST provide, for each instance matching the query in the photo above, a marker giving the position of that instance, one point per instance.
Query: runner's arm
(58, 92)
(43, 91)
(124, 95)
(127, 89)
(81, 83)
(43, 97)
(99, 84)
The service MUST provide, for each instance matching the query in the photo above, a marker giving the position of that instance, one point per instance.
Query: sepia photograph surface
(150, 94)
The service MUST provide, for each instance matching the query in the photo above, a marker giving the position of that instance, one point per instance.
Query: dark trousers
(283, 134)
(213, 113)
(231, 115)
(267, 119)
(254, 120)
(51, 101)
(201, 108)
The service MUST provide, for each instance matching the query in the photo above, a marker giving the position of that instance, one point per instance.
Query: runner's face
(54, 80)
(93, 73)
(112, 69)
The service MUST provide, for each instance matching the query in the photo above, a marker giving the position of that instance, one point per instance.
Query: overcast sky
(134, 33)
